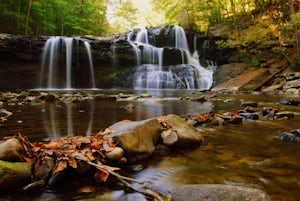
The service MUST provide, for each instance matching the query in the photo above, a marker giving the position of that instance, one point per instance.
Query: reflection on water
(242, 155)
(89, 116)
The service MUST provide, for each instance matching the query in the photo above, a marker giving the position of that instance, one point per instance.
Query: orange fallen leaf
(60, 166)
(101, 175)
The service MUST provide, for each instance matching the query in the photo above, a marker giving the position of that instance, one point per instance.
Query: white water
(69, 43)
(142, 36)
(180, 39)
(150, 72)
(89, 54)
(53, 69)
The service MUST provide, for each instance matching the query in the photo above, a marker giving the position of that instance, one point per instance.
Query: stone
(290, 136)
(249, 103)
(199, 99)
(132, 197)
(99, 97)
(169, 137)
(247, 115)
(145, 95)
(292, 91)
(188, 136)
(272, 88)
(292, 84)
(284, 114)
(5, 113)
(217, 192)
(115, 154)
(137, 138)
(244, 82)
(14, 175)
(11, 150)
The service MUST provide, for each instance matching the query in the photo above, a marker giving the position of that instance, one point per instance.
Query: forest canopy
(100, 17)
(246, 20)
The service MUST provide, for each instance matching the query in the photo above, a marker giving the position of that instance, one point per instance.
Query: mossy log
(14, 174)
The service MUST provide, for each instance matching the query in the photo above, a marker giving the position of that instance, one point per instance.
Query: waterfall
(151, 73)
(180, 39)
(69, 43)
(142, 36)
(63, 65)
(204, 77)
(89, 54)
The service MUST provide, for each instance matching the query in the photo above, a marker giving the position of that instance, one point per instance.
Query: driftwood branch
(125, 180)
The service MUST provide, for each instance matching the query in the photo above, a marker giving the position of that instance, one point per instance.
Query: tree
(124, 16)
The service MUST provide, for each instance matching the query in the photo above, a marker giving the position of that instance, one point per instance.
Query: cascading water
(67, 64)
(150, 72)
(64, 66)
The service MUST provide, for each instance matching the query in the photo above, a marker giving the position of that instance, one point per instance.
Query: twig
(114, 173)
(125, 180)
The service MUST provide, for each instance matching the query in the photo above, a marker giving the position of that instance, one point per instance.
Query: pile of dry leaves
(61, 154)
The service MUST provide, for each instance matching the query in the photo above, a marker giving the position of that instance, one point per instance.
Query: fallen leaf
(86, 189)
(60, 166)
(107, 146)
(72, 162)
(101, 175)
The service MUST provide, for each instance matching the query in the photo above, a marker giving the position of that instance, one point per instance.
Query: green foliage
(125, 16)
(297, 60)
(115, 74)
(54, 17)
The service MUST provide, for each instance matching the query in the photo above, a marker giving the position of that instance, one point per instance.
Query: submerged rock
(286, 101)
(290, 136)
(216, 192)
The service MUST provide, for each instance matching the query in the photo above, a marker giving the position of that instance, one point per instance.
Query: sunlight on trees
(101, 17)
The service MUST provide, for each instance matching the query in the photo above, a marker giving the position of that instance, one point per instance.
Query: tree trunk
(295, 28)
(14, 175)
(233, 9)
(27, 17)
(19, 16)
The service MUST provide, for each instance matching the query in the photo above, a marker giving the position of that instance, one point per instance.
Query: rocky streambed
(247, 140)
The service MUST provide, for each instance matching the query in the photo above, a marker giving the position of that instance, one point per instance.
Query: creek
(246, 154)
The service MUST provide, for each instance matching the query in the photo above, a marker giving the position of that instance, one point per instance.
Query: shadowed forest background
(246, 23)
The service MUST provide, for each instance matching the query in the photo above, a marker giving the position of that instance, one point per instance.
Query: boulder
(228, 71)
(13, 174)
(216, 192)
(169, 137)
(188, 136)
(11, 150)
(244, 82)
(137, 138)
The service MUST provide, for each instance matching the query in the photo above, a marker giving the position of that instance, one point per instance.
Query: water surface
(242, 155)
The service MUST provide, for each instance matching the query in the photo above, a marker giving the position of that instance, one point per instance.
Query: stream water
(244, 155)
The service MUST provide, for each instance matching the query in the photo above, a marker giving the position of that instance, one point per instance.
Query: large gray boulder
(218, 192)
(137, 138)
